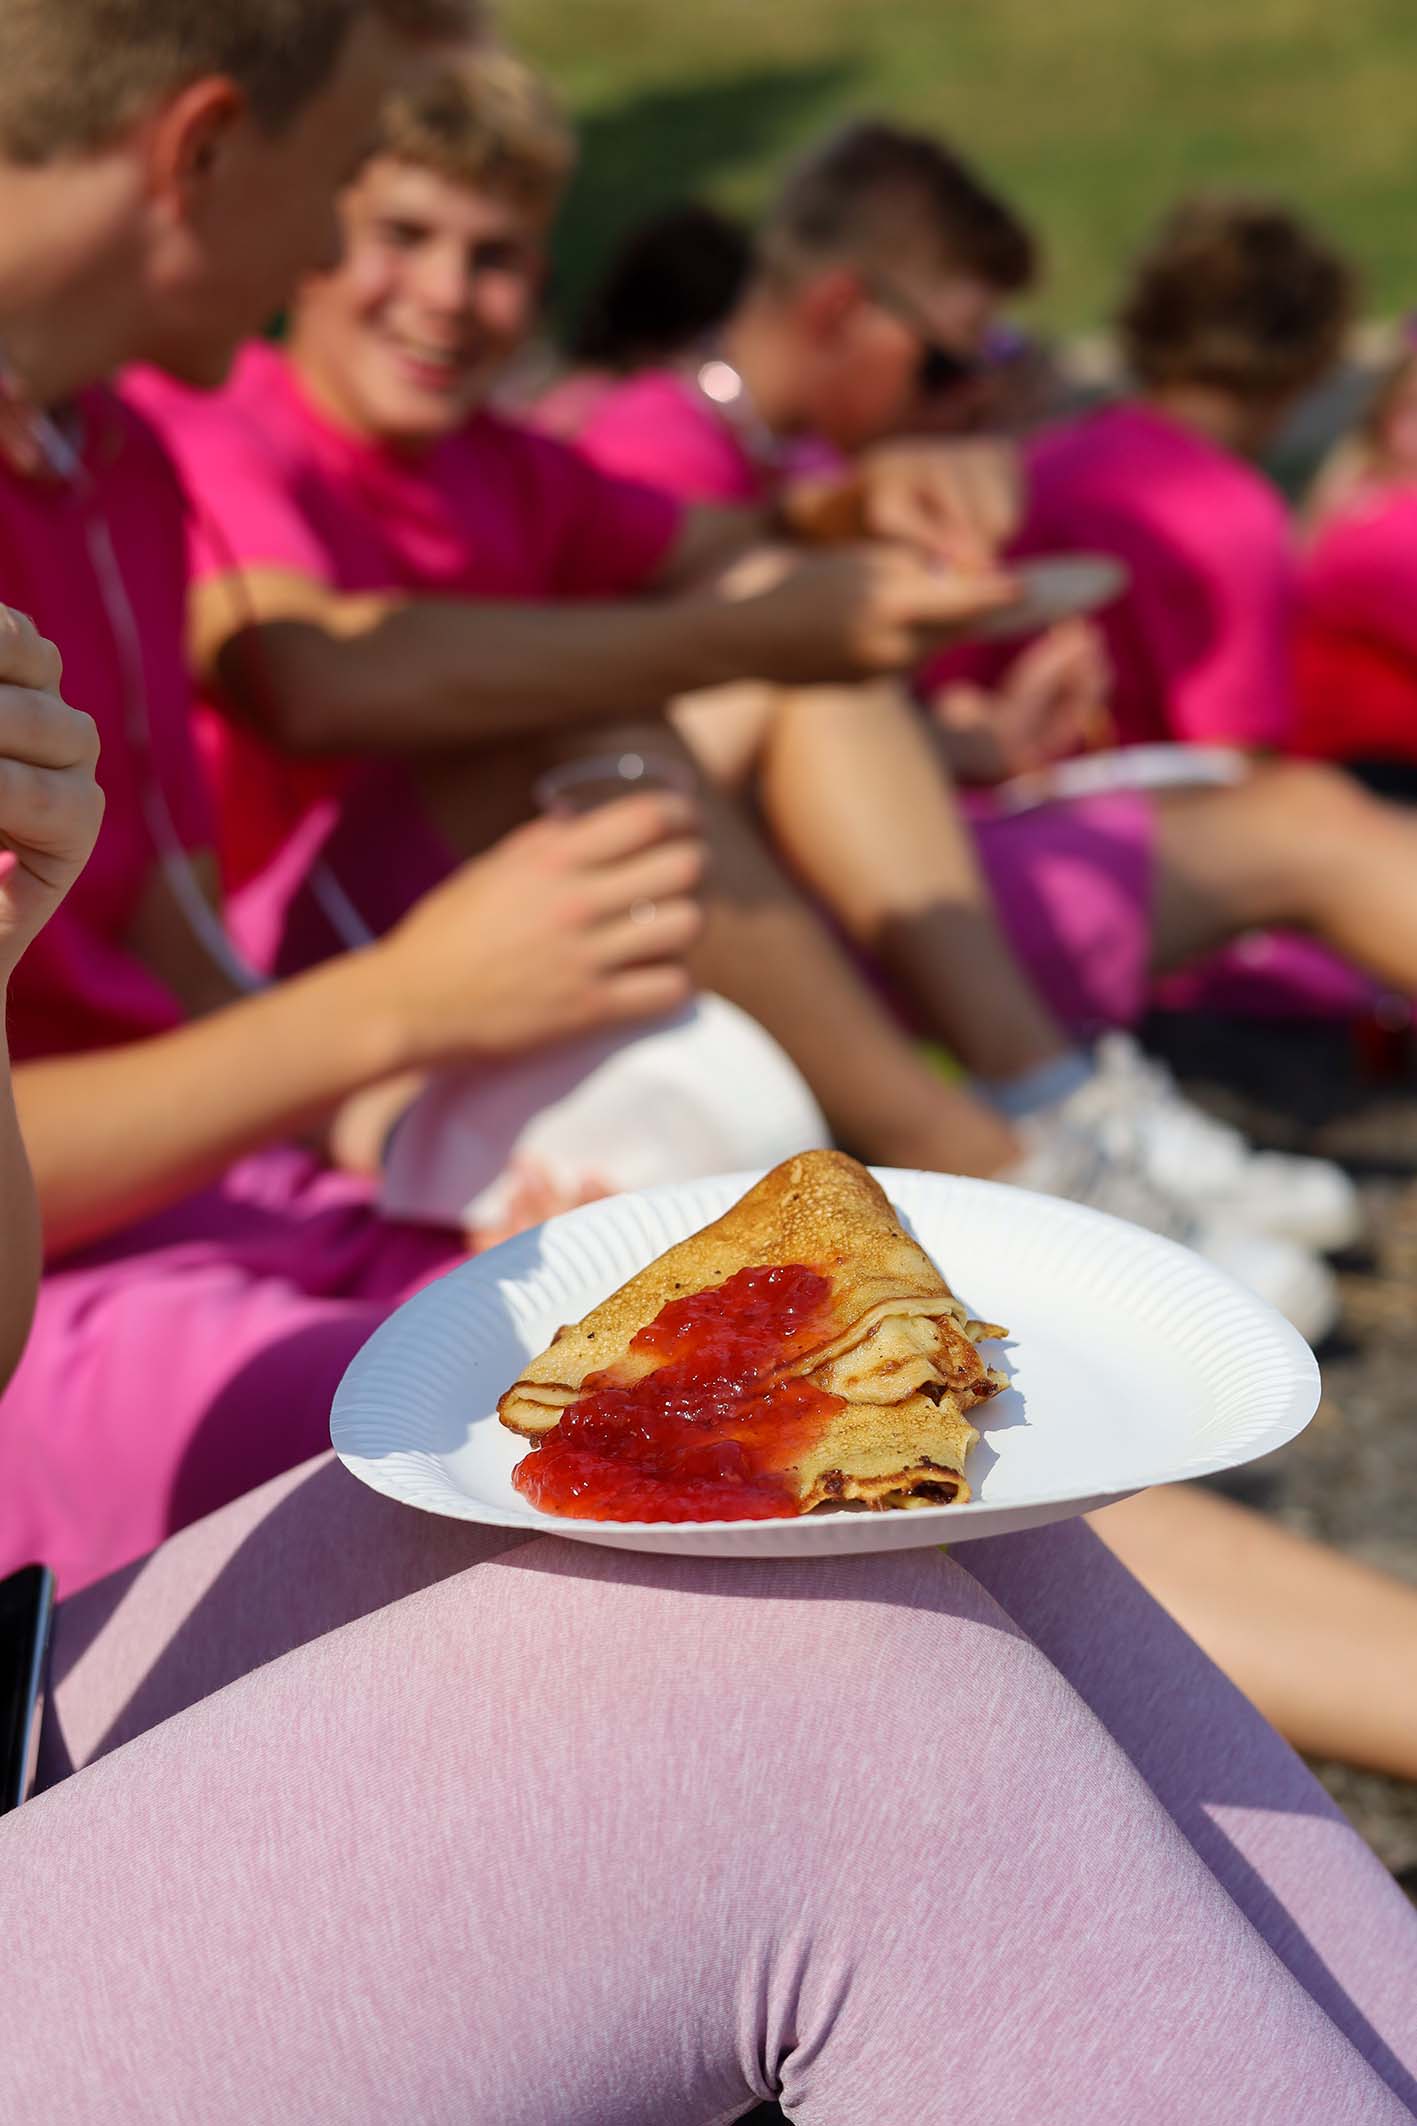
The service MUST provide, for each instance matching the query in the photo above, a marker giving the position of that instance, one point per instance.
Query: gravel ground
(1351, 1478)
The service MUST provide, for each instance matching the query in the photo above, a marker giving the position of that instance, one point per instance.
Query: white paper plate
(1051, 590)
(1159, 767)
(1133, 1362)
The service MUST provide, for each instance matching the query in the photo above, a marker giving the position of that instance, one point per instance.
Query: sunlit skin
(263, 215)
(176, 241)
(838, 352)
(438, 287)
(441, 283)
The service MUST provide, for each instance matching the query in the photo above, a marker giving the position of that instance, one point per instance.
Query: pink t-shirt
(493, 512)
(1201, 640)
(1357, 648)
(656, 426)
(79, 987)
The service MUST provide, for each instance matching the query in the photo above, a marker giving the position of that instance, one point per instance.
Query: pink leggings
(401, 1823)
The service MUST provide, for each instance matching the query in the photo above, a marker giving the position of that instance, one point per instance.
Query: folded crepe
(890, 1351)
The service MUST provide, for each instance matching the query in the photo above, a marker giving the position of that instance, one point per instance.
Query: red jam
(706, 1435)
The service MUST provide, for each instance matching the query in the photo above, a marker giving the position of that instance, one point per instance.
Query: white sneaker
(1066, 1162)
(1136, 1110)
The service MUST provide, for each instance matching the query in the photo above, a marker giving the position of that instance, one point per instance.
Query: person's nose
(447, 281)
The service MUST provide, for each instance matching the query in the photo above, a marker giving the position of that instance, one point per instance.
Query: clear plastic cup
(580, 786)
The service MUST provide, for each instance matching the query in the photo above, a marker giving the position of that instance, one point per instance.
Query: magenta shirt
(656, 426)
(495, 511)
(1201, 642)
(78, 986)
(1357, 654)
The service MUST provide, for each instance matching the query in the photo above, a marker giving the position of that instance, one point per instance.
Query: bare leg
(726, 729)
(766, 950)
(1298, 845)
(860, 800)
(474, 798)
(1320, 1643)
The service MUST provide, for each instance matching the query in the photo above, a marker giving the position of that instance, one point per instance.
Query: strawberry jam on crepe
(801, 1352)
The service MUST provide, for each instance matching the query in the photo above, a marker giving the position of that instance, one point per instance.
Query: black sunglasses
(941, 368)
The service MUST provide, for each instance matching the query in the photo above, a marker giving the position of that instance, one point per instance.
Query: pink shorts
(1073, 886)
(192, 1357)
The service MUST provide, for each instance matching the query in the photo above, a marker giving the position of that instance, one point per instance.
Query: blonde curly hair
(485, 120)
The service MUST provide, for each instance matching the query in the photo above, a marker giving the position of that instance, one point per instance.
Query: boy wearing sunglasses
(879, 275)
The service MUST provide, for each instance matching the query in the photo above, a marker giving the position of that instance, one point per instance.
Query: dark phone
(26, 1607)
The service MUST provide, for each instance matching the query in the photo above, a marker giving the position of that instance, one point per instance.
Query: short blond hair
(485, 120)
(75, 74)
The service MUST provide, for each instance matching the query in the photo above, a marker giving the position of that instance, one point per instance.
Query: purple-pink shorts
(1073, 886)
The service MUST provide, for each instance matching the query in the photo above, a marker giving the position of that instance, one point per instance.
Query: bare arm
(320, 671)
(960, 499)
(711, 539)
(19, 1222)
(1050, 702)
(50, 808)
(120, 1133)
(544, 945)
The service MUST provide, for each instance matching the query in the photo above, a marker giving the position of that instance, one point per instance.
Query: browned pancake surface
(897, 1346)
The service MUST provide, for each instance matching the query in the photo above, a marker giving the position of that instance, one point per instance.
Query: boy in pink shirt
(495, 512)
(1356, 659)
(210, 1275)
(1233, 313)
(1199, 641)
(1230, 315)
(333, 482)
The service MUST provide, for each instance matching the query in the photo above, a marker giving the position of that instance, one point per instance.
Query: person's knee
(652, 738)
(1311, 801)
(1302, 825)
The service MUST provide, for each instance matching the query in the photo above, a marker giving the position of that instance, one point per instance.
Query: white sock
(1046, 1085)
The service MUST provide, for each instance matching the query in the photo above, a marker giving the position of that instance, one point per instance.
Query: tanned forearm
(119, 1134)
(346, 674)
(21, 1231)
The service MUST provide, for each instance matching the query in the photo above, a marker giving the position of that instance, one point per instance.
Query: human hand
(959, 500)
(530, 1197)
(856, 612)
(50, 804)
(1049, 704)
(564, 927)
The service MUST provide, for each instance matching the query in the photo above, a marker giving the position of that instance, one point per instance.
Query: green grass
(1092, 114)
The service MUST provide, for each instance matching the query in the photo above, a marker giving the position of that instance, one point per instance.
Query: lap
(589, 1837)
(831, 1793)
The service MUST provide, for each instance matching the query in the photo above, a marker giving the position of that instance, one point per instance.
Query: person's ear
(189, 142)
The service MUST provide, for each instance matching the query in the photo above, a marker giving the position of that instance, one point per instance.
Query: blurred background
(1092, 115)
